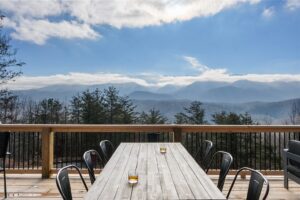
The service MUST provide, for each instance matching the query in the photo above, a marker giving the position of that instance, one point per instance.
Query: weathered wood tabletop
(173, 175)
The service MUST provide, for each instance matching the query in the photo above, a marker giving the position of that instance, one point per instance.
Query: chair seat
(294, 170)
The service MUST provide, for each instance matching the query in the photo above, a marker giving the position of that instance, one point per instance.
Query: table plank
(206, 182)
(195, 185)
(139, 191)
(179, 179)
(104, 176)
(125, 190)
(154, 190)
(166, 181)
(113, 183)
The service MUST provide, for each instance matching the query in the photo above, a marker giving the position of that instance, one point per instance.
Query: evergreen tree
(75, 109)
(112, 105)
(128, 114)
(152, 117)
(92, 110)
(194, 114)
(50, 111)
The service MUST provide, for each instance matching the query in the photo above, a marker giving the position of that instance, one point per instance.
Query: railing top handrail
(147, 128)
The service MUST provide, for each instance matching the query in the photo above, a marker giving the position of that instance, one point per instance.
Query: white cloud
(293, 4)
(31, 82)
(268, 12)
(88, 13)
(38, 31)
(195, 63)
(145, 79)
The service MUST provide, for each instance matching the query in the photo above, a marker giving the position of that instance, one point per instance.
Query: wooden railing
(42, 148)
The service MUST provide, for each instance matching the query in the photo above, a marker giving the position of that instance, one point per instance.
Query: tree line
(102, 107)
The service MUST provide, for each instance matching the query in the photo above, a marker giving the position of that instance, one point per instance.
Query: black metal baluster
(260, 151)
(255, 151)
(10, 150)
(270, 151)
(38, 150)
(29, 146)
(71, 148)
(78, 157)
(279, 149)
(275, 146)
(19, 150)
(23, 150)
(81, 146)
(33, 149)
(63, 154)
(240, 164)
(265, 145)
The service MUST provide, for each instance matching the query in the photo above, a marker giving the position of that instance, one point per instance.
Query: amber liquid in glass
(133, 179)
(163, 150)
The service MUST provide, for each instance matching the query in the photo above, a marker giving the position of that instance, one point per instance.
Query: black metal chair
(107, 149)
(291, 162)
(225, 164)
(4, 140)
(203, 155)
(91, 158)
(256, 184)
(63, 182)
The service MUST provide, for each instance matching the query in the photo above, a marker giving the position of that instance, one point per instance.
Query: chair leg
(286, 182)
(5, 191)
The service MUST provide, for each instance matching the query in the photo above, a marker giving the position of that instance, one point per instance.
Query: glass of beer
(163, 149)
(133, 177)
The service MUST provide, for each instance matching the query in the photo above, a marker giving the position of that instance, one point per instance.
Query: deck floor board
(28, 186)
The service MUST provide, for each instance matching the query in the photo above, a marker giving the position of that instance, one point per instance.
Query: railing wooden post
(47, 152)
(177, 134)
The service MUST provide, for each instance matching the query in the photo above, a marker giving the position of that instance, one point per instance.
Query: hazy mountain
(65, 92)
(141, 95)
(209, 91)
(239, 91)
(196, 90)
(264, 101)
(275, 112)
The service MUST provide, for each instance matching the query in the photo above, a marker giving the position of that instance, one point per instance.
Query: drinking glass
(163, 149)
(133, 177)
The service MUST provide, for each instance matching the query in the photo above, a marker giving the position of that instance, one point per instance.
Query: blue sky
(240, 39)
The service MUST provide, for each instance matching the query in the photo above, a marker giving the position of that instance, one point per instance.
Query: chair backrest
(294, 147)
(63, 182)
(256, 184)
(204, 154)
(4, 140)
(91, 158)
(225, 164)
(107, 149)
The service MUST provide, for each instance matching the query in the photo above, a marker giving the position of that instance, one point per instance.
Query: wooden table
(174, 175)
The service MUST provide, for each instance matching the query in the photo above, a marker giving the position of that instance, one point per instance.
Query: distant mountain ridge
(209, 91)
(263, 112)
(264, 101)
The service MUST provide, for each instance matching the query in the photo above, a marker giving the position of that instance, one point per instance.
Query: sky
(153, 42)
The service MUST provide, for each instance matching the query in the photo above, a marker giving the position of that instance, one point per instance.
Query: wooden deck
(28, 186)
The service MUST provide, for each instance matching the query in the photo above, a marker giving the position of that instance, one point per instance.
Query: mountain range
(217, 92)
(264, 100)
